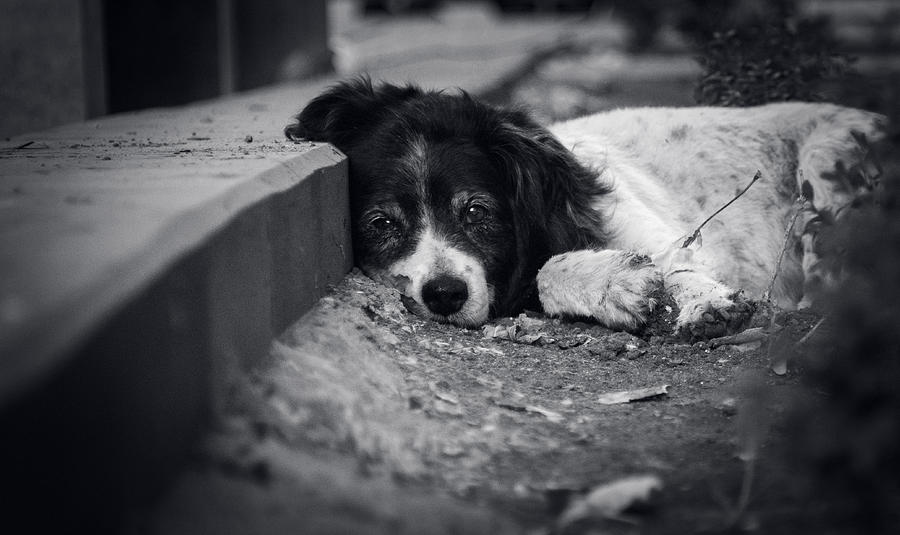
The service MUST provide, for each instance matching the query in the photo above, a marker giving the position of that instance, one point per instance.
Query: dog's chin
(464, 318)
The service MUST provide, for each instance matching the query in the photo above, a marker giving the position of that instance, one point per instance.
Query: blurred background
(64, 61)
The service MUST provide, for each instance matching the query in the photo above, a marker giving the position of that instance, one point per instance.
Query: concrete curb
(145, 257)
(93, 213)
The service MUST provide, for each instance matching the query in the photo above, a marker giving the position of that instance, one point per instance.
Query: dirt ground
(367, 419)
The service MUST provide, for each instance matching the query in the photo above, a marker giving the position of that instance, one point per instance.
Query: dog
(473, 211)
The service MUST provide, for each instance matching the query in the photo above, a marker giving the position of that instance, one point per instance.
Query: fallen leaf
(511, 405)
(626, 396)
(553, 416)
(493, 331)
(448, 397)
(531, 339)
(442, 392)
(610, 500)
(515, 333)
(546, 413)
(529, 324)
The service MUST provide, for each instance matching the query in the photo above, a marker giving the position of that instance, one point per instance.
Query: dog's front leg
(613, 287)
(707, 308)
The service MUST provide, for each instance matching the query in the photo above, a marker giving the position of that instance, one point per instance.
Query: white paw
(613, 287)
(700, 299)
(708, 308)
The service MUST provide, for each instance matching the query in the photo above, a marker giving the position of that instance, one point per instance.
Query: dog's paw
(715, 317)
(707, 308)
(615, 288)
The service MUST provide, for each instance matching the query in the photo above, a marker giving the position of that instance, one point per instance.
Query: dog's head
(455, 203)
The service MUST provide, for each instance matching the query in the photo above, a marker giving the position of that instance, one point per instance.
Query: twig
(24, 145)
(780, 367)
(690, 239)
(801, 200)
(807, 336)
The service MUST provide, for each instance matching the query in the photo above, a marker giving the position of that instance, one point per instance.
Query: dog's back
(682, 164)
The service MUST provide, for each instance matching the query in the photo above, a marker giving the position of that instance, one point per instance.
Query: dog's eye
(383, 223)
(475, 213)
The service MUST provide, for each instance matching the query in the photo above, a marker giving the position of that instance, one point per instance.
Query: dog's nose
(445, 294)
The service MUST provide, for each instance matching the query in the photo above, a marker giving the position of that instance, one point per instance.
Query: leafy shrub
(847, 442)
(772, 59)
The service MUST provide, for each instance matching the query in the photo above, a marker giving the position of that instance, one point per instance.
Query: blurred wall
(41, 64)
(68, 60)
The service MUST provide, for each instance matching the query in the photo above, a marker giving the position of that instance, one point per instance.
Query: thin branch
(767, 296)
(807, 336)
(801, 200)
(690, 239)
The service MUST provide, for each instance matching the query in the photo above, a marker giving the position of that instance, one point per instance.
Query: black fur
(543, 196)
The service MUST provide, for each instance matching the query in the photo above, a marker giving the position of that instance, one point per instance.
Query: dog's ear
(347, 112)
(554, 192)
(553, 197)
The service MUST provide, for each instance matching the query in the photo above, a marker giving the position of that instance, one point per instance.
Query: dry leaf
(553, 416)
(531, 339)
(626, 396)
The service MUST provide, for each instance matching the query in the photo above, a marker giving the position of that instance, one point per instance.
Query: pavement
(461, 44)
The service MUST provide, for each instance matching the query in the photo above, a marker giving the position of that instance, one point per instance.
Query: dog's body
(459, 204)
(672, 168)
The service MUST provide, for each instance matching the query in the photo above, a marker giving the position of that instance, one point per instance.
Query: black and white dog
(468, 209)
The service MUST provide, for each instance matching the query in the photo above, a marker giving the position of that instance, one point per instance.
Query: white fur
(673, 167)
(608, 284)
(433, 257)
